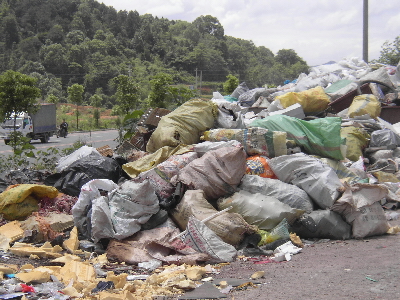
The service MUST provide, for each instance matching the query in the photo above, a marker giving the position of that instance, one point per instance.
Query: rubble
(246, 176)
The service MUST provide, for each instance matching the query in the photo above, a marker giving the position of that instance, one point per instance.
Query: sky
(318, 30)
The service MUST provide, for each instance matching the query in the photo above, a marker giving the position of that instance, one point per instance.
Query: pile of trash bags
(253, 172)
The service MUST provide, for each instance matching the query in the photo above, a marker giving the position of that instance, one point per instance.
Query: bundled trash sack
(201, 238)
(357, 139)
(254, 140)
(360, 206)
(230, 227)
(184, 125)
(118, 214)
(204, 147)
(322, 224)
(312, 100)
(160, 176)
(87, 168)
(19, 201)
(319, 136)
(217, 173)
(258, 165)
(257, 209)
(384, 138)
(365, 105)
(287, 193)
(317, 179)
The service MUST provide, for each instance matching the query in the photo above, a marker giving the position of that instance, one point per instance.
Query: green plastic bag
(318, 137)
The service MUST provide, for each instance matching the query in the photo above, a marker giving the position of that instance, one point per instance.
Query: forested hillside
(62, 42)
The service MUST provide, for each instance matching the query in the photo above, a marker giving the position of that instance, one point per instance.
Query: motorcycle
(62, 132)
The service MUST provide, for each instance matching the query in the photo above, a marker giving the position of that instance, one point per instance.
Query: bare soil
(351, 269)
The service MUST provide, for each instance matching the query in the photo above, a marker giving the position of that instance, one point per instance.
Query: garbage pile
(247, 174)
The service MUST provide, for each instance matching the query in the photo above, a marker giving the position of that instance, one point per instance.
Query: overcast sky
(318, 30)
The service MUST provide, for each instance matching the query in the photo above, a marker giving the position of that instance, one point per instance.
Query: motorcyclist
(64, 125)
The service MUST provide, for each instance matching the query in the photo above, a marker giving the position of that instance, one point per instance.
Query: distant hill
(62, 42)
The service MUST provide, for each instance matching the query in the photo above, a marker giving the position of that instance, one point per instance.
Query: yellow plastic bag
(356, 140)
(18, 202)
(312, 100)
(365, 104)
(133, 169)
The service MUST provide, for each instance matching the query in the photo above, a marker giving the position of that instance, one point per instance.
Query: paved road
(95, 139)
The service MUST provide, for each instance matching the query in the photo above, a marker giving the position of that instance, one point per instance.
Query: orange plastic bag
(258, 165)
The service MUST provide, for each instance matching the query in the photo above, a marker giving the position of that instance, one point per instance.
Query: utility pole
(365, 31)
(201, 79)
(195, 86)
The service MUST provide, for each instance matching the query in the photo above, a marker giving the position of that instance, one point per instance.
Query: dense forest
(63, 42)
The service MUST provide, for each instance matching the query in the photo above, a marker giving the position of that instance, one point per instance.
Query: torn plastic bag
(240, 89)
(229, 116)
(123, 211)
(384, 138)
(117, 215)
(312, 135)
(317, 179)
(230, 227)
(287, 193)
(255, 140)
(203, 239)
(147, 245)
(66, 161)
(313, 100)
(345, 174)
(204, 147)
(360, 206)
(217, 173)
(82, 171)
(257, 209)
(184, 125)
(82, 210)
(160, 176)
(247, 99)
(322, 224)
(19, 201)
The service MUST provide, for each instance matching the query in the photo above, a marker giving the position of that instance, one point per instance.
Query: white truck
(39, 126)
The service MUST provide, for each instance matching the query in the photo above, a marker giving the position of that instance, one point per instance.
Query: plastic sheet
(89, 167)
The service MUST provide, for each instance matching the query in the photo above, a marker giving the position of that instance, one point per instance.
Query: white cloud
(319, 31)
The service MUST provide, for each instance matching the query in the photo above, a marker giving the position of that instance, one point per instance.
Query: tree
(75, 93)
(18, 94)
(127, 92)
(159, 93)
(288, 57)
(209, 25)
(95, 101)
(390, 53)
(230, 84)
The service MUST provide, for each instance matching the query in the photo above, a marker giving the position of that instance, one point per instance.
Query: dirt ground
(351, 269)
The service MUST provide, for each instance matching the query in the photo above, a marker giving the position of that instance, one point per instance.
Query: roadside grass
(86, 120)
